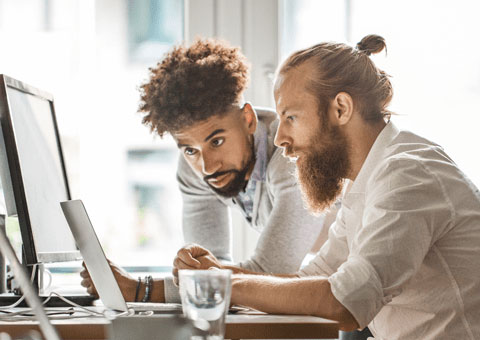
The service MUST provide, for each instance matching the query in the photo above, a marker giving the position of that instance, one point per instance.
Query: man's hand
(126, 283)
(194, 256)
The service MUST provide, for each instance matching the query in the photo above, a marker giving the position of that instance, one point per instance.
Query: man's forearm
(307, 296)
(240, 270)
(158, 291)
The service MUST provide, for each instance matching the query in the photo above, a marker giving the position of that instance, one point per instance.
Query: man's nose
(211, 164)
(282, 140)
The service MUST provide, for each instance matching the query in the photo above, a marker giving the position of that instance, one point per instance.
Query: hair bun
(372, 44)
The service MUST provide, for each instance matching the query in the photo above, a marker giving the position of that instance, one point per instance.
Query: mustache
(220, 173)
(289, 152)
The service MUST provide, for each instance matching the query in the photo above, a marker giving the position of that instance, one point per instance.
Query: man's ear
(341, 108)
(250, 117)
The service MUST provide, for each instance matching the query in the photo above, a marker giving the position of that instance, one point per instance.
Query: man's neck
(362, 141)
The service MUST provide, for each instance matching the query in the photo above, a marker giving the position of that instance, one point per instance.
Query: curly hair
(192, 84)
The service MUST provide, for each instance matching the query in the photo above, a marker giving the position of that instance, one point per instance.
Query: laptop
(97, 264)
(49, 332)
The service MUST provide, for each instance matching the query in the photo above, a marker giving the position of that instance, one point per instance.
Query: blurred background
(93, 55)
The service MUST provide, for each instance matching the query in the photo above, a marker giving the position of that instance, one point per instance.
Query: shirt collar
(386, 136)
(260, 144)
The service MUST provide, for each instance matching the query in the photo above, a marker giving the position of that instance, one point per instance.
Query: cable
(55, 314)
(23, 315)
(71, 303)
(19, 301)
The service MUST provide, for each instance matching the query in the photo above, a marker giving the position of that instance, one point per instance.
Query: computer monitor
(32, 170)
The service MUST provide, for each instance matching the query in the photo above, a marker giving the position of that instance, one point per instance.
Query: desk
(265, 326)
(238, 326)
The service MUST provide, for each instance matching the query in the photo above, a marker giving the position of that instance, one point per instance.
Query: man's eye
(291, 118)
(190, 151)
(218, 141)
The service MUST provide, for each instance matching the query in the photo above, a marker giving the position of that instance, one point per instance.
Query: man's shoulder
(268, 117)
(412, 156)
(408, 149)
(265, 112)
(279, 167)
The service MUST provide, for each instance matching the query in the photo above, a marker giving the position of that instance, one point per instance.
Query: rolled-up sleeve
(404, 213)
(358, 288)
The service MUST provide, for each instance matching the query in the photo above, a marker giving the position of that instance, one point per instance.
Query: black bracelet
(148, 288)
(138, 288)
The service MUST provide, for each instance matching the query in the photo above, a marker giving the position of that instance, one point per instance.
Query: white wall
(250, 24)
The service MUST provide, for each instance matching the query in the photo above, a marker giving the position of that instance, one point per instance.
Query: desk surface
(238, 326)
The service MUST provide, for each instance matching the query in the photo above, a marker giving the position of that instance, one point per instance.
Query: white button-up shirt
(404, 253)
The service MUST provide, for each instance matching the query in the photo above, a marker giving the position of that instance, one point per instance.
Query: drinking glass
(206, 295)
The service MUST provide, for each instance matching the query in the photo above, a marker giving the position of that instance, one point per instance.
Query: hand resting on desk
(193, 256)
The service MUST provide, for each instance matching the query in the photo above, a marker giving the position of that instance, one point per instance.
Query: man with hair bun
(403, 254)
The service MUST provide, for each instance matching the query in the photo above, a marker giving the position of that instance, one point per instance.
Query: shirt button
(234, 202)
(249, 219)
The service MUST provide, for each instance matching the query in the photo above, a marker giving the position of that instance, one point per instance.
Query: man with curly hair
(228, 161)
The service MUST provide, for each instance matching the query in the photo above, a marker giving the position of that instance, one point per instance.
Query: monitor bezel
(12, 178)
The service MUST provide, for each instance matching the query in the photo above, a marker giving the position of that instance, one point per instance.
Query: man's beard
(238, 183)
(321, 171)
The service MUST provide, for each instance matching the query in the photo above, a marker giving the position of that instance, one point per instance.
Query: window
(306, 22)
(92, 56)
(432, 57)
(154, 194)
(153, 26)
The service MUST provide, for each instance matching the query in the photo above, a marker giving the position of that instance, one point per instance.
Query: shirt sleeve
(206, 219)
(290, 230)
(406, 210)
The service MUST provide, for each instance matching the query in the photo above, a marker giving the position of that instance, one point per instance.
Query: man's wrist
(148, 289)
(137, 289)
(158, 291)
(129, 288)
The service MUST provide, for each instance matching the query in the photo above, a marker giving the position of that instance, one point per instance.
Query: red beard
(322, 169)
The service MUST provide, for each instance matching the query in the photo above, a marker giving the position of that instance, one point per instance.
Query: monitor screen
(36, 172)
